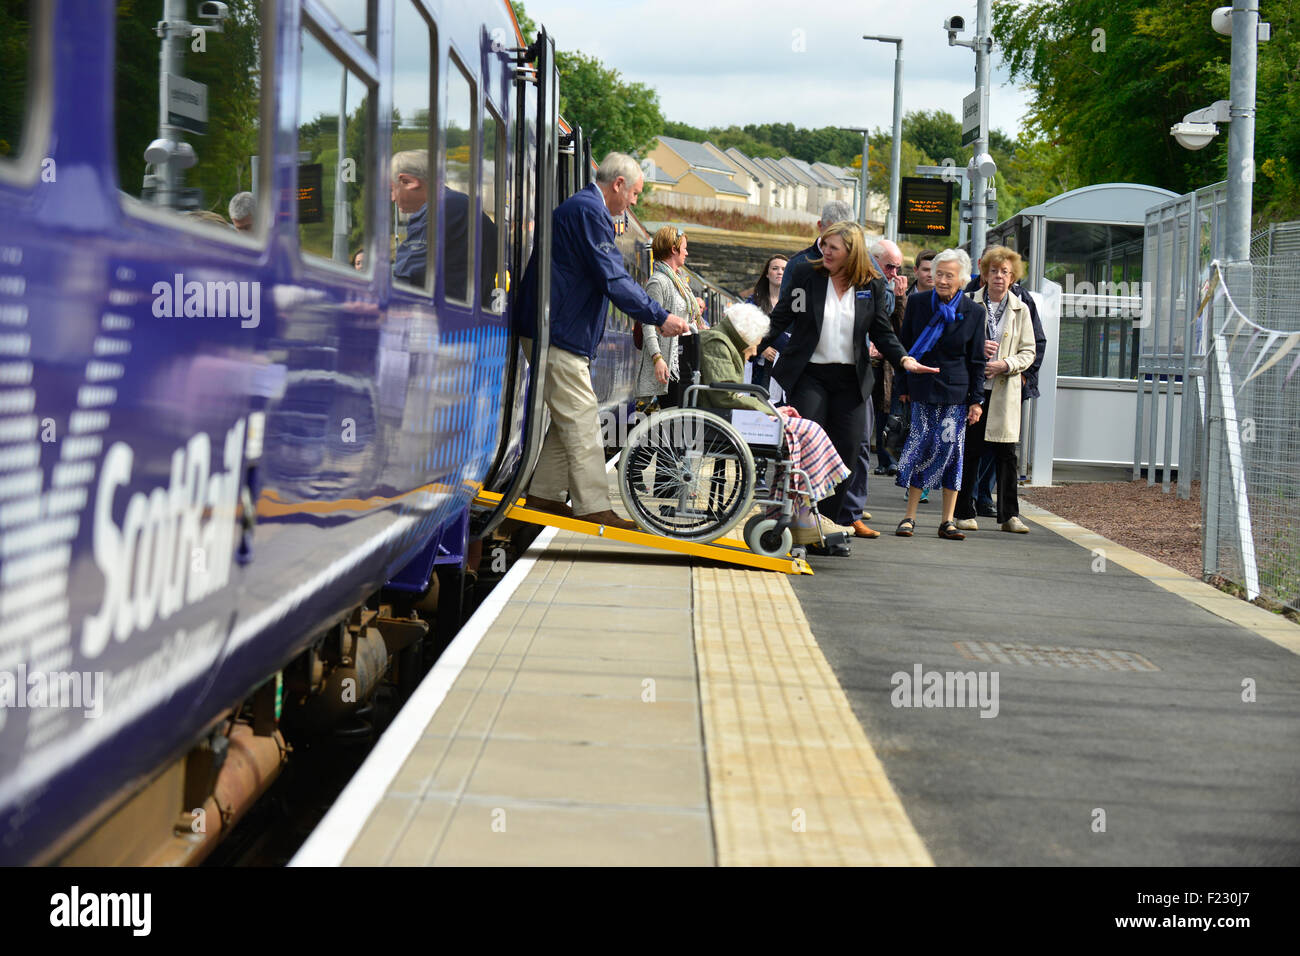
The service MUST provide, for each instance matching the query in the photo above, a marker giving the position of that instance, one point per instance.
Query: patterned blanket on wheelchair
(811, 450)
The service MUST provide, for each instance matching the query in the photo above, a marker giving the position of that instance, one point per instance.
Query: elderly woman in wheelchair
(694, 472)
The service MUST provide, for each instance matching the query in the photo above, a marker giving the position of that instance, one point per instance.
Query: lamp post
(1241, 22)
(862, 179)
(896, 153)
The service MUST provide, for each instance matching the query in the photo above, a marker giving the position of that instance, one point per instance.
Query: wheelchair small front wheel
(762, 538)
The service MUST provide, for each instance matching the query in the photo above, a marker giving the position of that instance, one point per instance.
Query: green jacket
(720, 361)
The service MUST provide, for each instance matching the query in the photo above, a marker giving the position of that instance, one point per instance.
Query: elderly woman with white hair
(945, 330)
(724, 350)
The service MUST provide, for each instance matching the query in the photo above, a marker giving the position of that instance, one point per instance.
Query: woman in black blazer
(832, 306)
(944, 329)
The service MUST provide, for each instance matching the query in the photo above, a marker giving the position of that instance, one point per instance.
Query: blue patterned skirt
(932, 455)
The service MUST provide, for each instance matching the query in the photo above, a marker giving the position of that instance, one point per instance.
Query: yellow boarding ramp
(727, 550)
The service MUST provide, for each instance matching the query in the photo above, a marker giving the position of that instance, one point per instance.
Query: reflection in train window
(201, 161)
(494, 200)
(332, 161)
(16, 38)
(458, 186)
(352, 14)
(413, 43)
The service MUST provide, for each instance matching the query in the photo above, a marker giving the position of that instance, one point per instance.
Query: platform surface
(625, 707)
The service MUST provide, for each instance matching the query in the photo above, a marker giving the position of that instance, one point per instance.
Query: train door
(535, 160)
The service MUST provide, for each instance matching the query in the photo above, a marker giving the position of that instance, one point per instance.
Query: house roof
(696, 154)
(659, 176)
(751, 166)
(820, 178)
(720, 182)
(799, 175)
(835, 172)
(776, 169)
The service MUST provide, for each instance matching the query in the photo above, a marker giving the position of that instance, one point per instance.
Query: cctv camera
(954, 24)
(159, 151)
(1194, 135)
(213, 10)
(1221, 21)
(984, 165)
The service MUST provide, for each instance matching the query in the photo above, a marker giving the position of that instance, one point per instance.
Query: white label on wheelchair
(757, 428)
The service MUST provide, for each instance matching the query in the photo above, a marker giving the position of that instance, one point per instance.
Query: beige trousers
(572, 461)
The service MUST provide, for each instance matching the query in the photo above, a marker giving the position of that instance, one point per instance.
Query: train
(238, 463)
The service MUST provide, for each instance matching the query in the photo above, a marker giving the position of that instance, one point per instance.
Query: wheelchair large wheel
(686, 474)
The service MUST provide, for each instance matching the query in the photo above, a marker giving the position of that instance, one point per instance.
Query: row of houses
(732, 180)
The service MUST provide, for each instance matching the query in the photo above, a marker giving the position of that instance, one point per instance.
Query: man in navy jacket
(587, 270)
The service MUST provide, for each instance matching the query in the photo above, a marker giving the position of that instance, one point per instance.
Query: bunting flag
(1277, 344)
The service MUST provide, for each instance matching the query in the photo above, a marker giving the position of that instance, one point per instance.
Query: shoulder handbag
(638, 339)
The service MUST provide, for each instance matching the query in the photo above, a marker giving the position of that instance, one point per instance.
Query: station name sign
(926, 206)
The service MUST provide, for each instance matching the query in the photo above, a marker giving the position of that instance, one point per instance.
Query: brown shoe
(609, 519)
(549, 506)
(860, 530)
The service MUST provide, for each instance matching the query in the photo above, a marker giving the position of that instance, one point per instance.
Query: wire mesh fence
(1251, 463)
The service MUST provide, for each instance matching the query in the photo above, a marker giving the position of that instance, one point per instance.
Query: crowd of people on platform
(850, 355)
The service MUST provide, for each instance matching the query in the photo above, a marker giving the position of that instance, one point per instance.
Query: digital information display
(311, 206)
(927, 206)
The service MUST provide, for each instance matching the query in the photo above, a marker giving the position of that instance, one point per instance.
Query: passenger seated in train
(409, 189)
(724, 350)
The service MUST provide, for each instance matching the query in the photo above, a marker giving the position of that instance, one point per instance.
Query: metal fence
(1251, 463)
(1219, 366)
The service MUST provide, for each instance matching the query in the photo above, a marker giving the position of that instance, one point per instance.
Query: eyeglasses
(890, 267)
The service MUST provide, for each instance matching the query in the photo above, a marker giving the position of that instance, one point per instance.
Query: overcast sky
(719, 62)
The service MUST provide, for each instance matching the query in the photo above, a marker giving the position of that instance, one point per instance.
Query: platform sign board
(187, 104)
(974, 116)
(926, 205)
(311, 202)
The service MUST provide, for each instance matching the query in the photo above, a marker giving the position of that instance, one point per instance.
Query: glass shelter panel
(1099, 267)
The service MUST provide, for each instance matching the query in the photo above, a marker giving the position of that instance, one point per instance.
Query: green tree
(936, 133)
(1109, 77)
(614, 115)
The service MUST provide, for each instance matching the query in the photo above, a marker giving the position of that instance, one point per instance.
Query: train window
(494, 204)
(18, 31)
(200, 158)
(332, 155)
(410, 172)
(458, 182)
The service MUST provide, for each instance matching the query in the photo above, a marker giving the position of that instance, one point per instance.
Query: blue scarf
(945, 312)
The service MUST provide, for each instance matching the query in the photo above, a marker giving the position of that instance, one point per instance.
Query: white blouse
(835, 347)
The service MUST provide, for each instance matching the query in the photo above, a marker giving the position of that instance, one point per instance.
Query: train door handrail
(548, 117)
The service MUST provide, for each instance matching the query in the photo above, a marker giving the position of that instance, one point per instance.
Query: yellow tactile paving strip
(793, 780)
(1269, 626)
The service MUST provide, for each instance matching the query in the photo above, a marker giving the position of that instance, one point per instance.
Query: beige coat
(1017, 349)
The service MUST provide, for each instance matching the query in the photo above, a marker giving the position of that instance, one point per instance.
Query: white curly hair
(749, 321)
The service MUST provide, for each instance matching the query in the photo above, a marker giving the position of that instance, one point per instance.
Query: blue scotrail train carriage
(231, 462)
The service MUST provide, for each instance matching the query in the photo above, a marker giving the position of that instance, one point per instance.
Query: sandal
(949, 530)
(906, 527)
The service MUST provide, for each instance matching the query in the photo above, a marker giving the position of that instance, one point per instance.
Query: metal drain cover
(1035, 655)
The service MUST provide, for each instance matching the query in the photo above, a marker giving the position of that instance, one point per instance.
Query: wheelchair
(689, 473)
